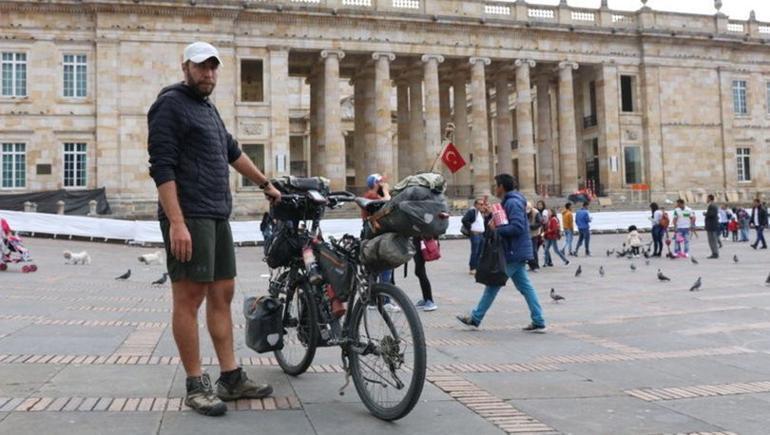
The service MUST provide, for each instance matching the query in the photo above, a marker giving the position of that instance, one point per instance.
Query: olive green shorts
(213, 254)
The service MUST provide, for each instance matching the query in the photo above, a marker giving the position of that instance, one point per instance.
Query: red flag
(452, 158)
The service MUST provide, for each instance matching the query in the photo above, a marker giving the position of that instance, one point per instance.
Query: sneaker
(467, 320)
(566, 264)
(244, 388)
(430, 306)
(392, 308)
(472, 272)
(534, 328)
(201, 398)
(420, 304)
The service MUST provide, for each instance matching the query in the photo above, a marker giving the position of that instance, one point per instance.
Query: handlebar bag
(284, 246)
(264, 332)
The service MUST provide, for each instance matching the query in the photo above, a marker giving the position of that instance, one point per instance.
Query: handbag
(491, 268)
(430, 250)
(465, 231)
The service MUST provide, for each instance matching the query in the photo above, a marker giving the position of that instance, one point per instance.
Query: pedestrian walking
(712, 226)
(657, 230)
(535, 233)
(552, 235)
(473, 225)
(516, 243)
(583, 220)
(190, 152)
(724, 219)
(744, 222)
(568, 223)
(759, 222)
(684, 221)
(426, 303)
(733, 228)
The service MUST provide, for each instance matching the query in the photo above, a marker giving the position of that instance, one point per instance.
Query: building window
(14, 72)
(744, 164)
(627, 93)
(256, 152)
(75, 165)
(252, 83)
(14, 165)
(739, 97)
(633, 162)
(75, 69)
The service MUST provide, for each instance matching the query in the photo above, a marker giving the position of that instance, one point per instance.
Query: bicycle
(380, 346)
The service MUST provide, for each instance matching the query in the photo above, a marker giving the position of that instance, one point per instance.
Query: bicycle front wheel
(388, 357)
(300, 325)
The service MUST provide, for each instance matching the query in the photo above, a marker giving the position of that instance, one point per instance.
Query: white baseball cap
(199, 52)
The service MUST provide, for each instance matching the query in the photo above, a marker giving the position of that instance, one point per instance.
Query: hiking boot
(534, 328)
(242, 388)
(468, 320)
(200, 397)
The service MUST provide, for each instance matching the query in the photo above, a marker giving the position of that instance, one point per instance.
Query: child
(634, 241)
(733, 228)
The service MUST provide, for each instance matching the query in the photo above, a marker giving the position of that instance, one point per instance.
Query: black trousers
(421, 273)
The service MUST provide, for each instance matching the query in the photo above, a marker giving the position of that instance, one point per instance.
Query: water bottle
(338, 307)
(313, 274)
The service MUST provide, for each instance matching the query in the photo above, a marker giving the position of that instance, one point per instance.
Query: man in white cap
(190, 154)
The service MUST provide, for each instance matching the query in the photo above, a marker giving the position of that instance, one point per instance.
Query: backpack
(435, 182)
(664, 221)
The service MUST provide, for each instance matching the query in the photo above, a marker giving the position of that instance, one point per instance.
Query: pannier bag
(434, 182)
(386, 251)
(264, 329)
(284, 246)
(336, 270)
(416, 212)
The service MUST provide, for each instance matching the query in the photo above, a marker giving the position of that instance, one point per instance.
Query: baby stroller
(12, 249)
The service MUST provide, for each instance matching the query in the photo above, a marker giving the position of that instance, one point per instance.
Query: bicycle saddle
(370, 205)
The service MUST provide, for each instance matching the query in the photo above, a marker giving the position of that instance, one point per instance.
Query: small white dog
(152, 258)
(77, 257)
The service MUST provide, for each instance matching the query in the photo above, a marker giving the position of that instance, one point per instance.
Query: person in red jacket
(733, 228)
(552, 236)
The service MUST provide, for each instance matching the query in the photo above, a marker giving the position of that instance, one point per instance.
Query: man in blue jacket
(518, 250)
(583, 222)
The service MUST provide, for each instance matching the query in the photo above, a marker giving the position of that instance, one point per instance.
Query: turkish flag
(452, 158)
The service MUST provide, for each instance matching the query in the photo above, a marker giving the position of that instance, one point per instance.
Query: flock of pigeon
(158, 282)
(696, 286)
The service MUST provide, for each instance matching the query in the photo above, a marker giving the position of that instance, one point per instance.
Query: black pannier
(264, 329)
(284, 246)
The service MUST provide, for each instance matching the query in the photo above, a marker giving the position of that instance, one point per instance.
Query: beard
(202, 88)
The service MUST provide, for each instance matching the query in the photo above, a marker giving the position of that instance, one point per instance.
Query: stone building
(562, 97)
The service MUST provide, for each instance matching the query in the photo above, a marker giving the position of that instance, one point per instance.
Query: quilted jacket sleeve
(164, 124)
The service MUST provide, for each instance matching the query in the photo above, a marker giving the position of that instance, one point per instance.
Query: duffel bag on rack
(386, 251)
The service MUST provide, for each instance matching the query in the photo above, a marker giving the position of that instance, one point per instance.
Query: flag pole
(449, 131)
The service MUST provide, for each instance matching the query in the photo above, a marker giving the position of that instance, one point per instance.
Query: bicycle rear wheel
(300, 323)
(388, 368)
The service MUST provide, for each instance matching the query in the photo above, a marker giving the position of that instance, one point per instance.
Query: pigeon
(696, 286)
(601, 271)
(633, 267)
(556, 298)
(161, 280)
(663, 277)
(735, 258)
(579, 271)
(693, 260)
(125, 276)
(646, 254)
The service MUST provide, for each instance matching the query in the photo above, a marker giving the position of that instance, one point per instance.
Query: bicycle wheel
(300, 323)
(389, 367)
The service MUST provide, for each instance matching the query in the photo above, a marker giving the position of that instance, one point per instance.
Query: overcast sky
(738, 9)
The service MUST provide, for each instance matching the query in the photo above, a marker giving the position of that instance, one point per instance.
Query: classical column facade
(370, 123)
(315, 80)
(416, 126)
(444, 102)
(524, 126)
(432, 108)
(480, 134)
(504, 123)
(567, 129)
(359, 129)
(544, 140)
(404, 151)
(460, 118)
(334, 143)
(382, 89)
(279, 111)
(608, 109)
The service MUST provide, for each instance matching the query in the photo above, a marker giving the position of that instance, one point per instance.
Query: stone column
(651, 126)
(524, 127)
(445, 106)
(504, 123)
(359, 129)
(382, 90)
(279, 111)
(480, 135)
(567, 129)
(460, 109)
(404, 151)
(370, 117)
(316, 122)
(432, 109)
(608, 108)
(416, 126)
(544, 141)
(334, 164)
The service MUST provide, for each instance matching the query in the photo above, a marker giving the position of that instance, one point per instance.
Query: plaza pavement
(81, 353)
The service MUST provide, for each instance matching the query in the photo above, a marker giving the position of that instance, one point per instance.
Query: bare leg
(220, 322)
(187, 296)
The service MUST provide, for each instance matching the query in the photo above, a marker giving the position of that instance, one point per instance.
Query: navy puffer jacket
(188, 143)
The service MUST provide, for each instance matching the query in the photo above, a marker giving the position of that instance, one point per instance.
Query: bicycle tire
(412, 396)
(310, 313)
